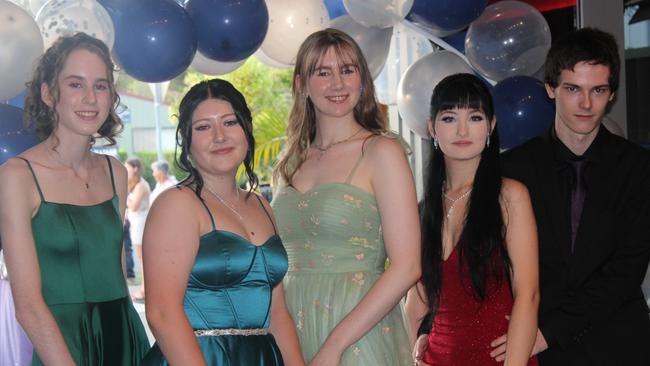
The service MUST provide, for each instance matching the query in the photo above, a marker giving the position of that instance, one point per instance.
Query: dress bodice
(231, 281)
(79, 250)
(332, 223)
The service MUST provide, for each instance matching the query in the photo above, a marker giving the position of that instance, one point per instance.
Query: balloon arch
(410, 45)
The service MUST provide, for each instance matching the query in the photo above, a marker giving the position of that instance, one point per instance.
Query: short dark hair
(44, 118)
(204, 90)
(588, 45)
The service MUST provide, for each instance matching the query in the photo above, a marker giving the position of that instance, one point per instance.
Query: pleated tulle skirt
(101, 334)
(319, 301)
(229, 350)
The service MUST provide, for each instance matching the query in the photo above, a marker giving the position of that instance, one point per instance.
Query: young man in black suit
(590, 192)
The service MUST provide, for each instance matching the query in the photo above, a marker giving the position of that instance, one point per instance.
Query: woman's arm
(394, 190)
(20, 200)
(416, 308)
(140, 192)
(521, 239)
(171, 241)
(283, 329)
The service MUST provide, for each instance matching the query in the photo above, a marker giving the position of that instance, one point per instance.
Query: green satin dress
(79, 250)
(230, 287)
(333, 237)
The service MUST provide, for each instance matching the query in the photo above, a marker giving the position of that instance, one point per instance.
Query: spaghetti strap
(214, 227)
(267, 213)
(370, 139)
(110, 169)
(38, 186)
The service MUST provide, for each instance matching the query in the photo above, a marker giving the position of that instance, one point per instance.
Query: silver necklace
(228, 205)
(450, 210)
(323, 149)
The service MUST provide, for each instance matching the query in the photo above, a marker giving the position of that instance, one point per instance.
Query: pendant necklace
(323, 149)
(228, 205)
(450, 210)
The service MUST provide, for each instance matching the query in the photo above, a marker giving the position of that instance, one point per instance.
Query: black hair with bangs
(483, 259)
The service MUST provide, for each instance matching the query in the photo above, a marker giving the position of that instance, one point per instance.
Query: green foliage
(148, 157)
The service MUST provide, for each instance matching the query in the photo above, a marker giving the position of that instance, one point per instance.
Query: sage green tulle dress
(332, 235)
(230, 287)
(79, 250)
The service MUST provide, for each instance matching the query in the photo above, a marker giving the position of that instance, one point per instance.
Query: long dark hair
(481, 242)
(212, 89)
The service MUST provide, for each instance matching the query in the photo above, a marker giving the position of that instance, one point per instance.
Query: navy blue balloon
(523, 110)
(445, 15)
(229, 30)
(155, 40)
(14, 138)
(457, 40)
(335, 8)
(18, 100)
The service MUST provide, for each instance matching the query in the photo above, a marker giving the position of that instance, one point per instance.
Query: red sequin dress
(463, 326)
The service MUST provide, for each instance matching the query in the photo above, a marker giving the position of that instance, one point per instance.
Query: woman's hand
(420, 348)
(327, 356)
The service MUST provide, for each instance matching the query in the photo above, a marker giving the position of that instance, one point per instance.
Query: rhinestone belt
(232, 331)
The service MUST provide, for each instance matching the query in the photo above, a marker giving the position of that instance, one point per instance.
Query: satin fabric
(230, 286)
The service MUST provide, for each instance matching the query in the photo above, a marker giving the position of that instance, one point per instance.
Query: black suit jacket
(592, 310)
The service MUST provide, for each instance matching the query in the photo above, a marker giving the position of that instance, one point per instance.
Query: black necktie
(577, 197)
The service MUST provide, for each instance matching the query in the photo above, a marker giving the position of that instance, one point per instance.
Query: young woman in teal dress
(345, 202)
(213, 262)
(61, 216)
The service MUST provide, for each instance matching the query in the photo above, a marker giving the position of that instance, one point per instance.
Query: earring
(435, 143)
(487, 143)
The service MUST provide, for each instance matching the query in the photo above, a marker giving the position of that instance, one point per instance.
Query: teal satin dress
(230, 287)
(79, 250)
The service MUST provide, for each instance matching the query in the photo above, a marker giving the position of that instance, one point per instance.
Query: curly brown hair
(43, 118)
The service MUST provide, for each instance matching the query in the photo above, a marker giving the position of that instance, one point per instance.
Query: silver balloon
(20, 45)
(510, 38)
(374, 42)
(378, 13)
(290, 22)
(266, 60)
(66, 17)
(416, 87)
(23, 4)
(208, 66)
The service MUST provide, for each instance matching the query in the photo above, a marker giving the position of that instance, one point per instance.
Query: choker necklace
(228, 205)
(323, 149)
(450, 210)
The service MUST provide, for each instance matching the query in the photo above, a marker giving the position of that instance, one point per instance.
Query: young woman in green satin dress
(345, 202)
(213, 262)
(61, 216)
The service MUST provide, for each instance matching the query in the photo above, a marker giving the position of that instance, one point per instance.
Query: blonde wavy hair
(301, 128)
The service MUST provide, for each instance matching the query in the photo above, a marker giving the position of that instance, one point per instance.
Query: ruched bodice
(334, 227)
(231, 281)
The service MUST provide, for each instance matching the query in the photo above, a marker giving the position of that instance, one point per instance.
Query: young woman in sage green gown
(345, 202)
(213, 262)
(61, 216)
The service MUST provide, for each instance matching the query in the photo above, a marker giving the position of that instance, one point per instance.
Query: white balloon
(290, 22)
(20, 45)
(416, 87)
(510, 38)
(378, 13)
(208, 66)
(23, 4)
(66, 17)
(374, 42)
(36, 5)
(406, 46)
(263, 58)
